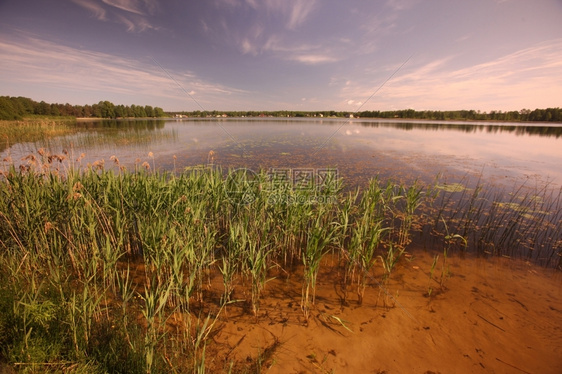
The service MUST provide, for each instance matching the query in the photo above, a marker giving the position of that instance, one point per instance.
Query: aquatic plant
(320, 234)
(81, 248)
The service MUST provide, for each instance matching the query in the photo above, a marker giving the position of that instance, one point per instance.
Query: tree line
(15, 108)
(546, 115)
(524, 115)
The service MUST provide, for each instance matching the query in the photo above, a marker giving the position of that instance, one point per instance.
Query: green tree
(120, 111)
(149, 111)
(43, 109)
(7, 110)
(159, 112)
(107, 109)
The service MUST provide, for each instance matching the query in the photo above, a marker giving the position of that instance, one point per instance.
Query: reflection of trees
(145, 131)
(548, 131)
(95, 134)
(143, 124)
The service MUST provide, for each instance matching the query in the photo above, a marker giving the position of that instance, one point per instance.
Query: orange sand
(493, 316)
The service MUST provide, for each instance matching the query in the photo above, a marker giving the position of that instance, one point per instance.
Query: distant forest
(546, 115)
(14, 108)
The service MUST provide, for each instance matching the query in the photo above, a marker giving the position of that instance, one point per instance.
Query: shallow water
(500, 153)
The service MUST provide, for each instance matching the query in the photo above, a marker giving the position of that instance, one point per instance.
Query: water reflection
(136, 125)
(519, 129)
(360, 149)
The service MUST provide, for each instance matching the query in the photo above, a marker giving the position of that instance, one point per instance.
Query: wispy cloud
(133, 14)
(530, 77)
(299, 12)
(305, 53)
(262, 21)
(401, 4)
(312, 59)
(130, 6)
(42, 63)
(251, 41)
(294, 12)
(95, 8)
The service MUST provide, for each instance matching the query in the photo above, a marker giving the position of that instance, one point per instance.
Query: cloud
(304, 53)
(401, 4)
(97, 10)
(354, 103)
(262, 20)
(250, 42)
(299, 12)
(256, 39)
(130, 6)
(41, 63)
(133, 14)
(463, 38)
(293, 12)
(131, 26)
(312, 59)
(530, 77)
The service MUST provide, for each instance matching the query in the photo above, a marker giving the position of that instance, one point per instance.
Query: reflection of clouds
(514, 152)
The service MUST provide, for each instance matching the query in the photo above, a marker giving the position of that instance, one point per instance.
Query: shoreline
(279, 118)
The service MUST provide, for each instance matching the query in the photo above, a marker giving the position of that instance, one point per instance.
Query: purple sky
(285, 54)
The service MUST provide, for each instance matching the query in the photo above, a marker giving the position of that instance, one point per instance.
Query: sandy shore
(492, 316)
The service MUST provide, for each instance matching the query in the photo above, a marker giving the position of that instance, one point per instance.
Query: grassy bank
(109, 271)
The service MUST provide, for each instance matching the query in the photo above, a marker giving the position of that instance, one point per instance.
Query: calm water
(501, 153)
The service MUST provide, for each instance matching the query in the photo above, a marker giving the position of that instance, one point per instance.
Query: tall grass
(110, 270)
(33, 129)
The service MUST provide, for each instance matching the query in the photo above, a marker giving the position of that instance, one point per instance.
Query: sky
(304, 55)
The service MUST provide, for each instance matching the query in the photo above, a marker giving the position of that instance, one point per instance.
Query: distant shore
(404, 120)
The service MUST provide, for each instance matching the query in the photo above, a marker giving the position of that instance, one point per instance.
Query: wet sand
(492, 316)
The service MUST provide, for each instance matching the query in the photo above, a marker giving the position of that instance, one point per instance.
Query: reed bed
(34, 129)
(109, 270)
(524, 221)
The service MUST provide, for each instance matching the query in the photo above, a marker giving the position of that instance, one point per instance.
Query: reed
(320, 234)
(366, 236)
(450, 239)
(431, 271)
(523, 221)
(413, 200)
(81, 248)
(34, 129)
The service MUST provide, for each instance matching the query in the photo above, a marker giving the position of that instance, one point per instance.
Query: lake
(444, 275)
(504, 154)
